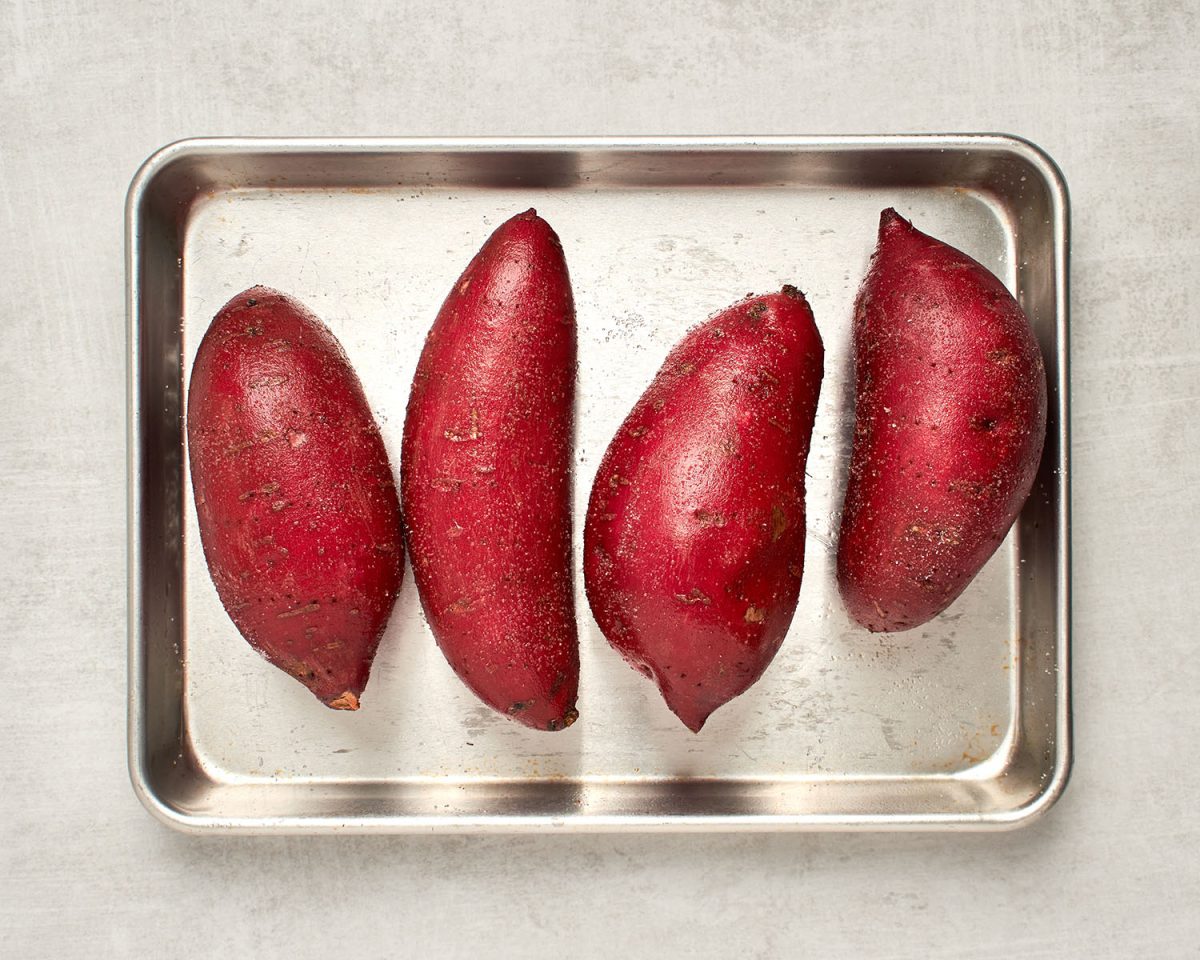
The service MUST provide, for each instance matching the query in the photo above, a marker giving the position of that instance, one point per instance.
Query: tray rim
(1051, 789)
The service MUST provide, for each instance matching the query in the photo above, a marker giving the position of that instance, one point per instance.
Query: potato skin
(295, 499)
(950, 420)
(694, 540)
(486, 476)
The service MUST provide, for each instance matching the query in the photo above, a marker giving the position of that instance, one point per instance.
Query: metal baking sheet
(962, 723)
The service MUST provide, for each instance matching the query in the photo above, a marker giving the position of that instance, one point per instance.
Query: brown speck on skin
(461, 605)
(974, 489)
(471, 433)
(709, 519)
(755, 615)
(756, 310)
(278, 505)
(307, 608)
(659, 403)
(794, 570)
(517, 706)
(695, 595)
(636, 432)
(779, 523)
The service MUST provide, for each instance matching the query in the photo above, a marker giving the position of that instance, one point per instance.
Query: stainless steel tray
(964, 723)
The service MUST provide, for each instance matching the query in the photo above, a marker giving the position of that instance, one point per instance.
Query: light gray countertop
(87, 90)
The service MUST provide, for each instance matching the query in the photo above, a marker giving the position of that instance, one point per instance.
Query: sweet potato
(694, 539)
(950, 418)
(295, 499)
(486, 476)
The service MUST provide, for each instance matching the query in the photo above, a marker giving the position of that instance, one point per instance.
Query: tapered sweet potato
(694, 540)
(950, 395)
(295, 499)
(486, 476)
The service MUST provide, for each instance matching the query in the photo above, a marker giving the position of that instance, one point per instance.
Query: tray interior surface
(958, 720)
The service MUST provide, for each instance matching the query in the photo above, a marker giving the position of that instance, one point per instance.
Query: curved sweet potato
(949, 425)
(486, 476)
(694, 541)
(294, 495)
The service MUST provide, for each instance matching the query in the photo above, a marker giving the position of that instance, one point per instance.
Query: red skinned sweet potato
(694, 540)
(486, 476)
(950, 418)
(295, 498)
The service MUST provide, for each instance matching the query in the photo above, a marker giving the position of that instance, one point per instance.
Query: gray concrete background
(88, 89)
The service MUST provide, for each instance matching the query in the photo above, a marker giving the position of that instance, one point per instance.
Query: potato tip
(347, 701)
(891, 221)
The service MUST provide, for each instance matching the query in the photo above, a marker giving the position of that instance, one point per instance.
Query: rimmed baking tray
(962, 723)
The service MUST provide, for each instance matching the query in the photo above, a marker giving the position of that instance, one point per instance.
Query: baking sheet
(964, 722)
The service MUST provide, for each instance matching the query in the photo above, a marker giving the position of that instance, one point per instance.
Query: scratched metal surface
(957, 723)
